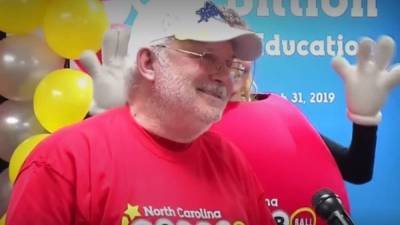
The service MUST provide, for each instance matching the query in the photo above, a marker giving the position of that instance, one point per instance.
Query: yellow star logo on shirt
(238, 223)
(132, 211)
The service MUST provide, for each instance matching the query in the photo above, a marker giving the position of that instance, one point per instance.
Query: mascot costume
(292, 160)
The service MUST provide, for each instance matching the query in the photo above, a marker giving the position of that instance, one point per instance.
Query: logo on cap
(210, 10)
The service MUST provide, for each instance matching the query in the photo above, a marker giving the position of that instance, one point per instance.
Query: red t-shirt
(108, 170)
(287, 154)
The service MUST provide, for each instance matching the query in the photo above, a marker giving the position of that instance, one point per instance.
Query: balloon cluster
(69, 26)
(37, 94)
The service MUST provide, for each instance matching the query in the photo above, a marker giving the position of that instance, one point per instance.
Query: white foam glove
(109, 78)
(368, 83)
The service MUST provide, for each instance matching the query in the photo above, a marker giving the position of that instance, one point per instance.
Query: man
(153, 161)
(269, 147)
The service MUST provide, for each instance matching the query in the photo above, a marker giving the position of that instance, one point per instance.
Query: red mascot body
(288, 155)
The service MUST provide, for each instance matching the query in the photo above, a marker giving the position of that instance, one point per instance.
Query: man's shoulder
(216, 139)
(106, 122)
(227, 156)
(222, 147)
(78, 137)
(109, 118)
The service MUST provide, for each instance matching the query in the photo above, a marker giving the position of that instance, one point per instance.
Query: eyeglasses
(211, 60)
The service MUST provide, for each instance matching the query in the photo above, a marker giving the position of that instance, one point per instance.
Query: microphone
(328, 206)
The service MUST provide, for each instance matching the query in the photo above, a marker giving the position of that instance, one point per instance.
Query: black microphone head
(325, 202)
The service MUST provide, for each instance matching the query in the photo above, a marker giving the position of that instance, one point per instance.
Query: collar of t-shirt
(168, 144)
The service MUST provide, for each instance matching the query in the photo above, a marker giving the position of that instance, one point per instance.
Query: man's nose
(225, 77)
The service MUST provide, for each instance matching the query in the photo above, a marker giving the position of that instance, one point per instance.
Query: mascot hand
(109, 79)
(368, 83)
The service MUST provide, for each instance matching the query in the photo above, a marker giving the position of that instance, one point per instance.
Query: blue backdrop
(316, 30)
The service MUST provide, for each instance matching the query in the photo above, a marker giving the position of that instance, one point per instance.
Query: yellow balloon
(21, 153)
(71, 26)
(62, 98)
(3, 219)
(21, 16)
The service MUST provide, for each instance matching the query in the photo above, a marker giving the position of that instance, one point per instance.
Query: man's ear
(145, 63)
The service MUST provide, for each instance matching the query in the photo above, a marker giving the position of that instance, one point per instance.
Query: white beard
(176, 95)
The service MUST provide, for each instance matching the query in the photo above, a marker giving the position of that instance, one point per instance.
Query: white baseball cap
(196, 20)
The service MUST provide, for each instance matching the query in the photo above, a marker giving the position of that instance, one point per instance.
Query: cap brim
(247, 46)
